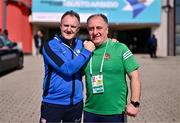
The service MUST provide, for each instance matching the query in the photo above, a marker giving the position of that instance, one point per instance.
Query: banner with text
(117, 11)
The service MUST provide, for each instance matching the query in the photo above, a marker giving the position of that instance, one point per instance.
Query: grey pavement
(20, 91)
(160, 100)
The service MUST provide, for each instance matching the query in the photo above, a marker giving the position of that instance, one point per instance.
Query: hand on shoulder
(114, 40)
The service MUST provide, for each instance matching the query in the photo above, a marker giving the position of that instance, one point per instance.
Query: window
(177, 15)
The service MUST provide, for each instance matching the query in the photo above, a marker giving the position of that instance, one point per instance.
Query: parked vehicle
(11, 56)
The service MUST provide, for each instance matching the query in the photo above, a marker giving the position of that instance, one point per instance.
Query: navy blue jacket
(63, 78)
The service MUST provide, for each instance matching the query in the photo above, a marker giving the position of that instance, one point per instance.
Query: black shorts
(65, 113)
(96, 118)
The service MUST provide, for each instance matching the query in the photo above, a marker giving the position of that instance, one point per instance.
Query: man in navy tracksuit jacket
(64, 57)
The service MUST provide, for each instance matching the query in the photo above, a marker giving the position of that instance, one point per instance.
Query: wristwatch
(136, 104)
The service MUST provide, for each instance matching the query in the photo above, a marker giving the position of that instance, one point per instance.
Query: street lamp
(167, 8)
(4, 14)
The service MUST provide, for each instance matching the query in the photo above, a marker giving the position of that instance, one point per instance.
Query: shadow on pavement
(4, 73)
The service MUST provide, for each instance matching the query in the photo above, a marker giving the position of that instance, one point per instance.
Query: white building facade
(131, 21)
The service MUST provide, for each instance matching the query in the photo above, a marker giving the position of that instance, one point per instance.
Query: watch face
(135, 104)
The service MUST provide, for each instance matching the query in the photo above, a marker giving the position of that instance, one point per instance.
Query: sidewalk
(20, 91)
(160, 100)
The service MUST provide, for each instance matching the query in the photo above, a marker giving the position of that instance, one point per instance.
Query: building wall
(159, 29)
(165, 32)
(161, 34)
(17, 23)
(20, 29)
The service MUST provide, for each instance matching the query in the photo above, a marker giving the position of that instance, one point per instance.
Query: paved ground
(20, 91)
(160, 90)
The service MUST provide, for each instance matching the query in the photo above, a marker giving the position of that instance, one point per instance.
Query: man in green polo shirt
(105, 76)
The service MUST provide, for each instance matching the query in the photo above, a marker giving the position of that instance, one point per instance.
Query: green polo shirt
(117, 63)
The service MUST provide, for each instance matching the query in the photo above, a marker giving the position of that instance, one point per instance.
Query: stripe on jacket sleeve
(127, 54)
(52, 55)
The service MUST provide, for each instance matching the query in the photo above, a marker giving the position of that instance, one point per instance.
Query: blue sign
(117, 11)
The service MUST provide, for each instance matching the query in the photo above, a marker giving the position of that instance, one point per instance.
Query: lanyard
(67, 47)
(101, 62)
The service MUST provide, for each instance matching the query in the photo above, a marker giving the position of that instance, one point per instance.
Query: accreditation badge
(97, 84)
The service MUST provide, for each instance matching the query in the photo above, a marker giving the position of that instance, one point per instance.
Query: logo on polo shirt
(107, 56)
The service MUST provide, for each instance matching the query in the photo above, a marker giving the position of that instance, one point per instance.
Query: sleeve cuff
(86, 53)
